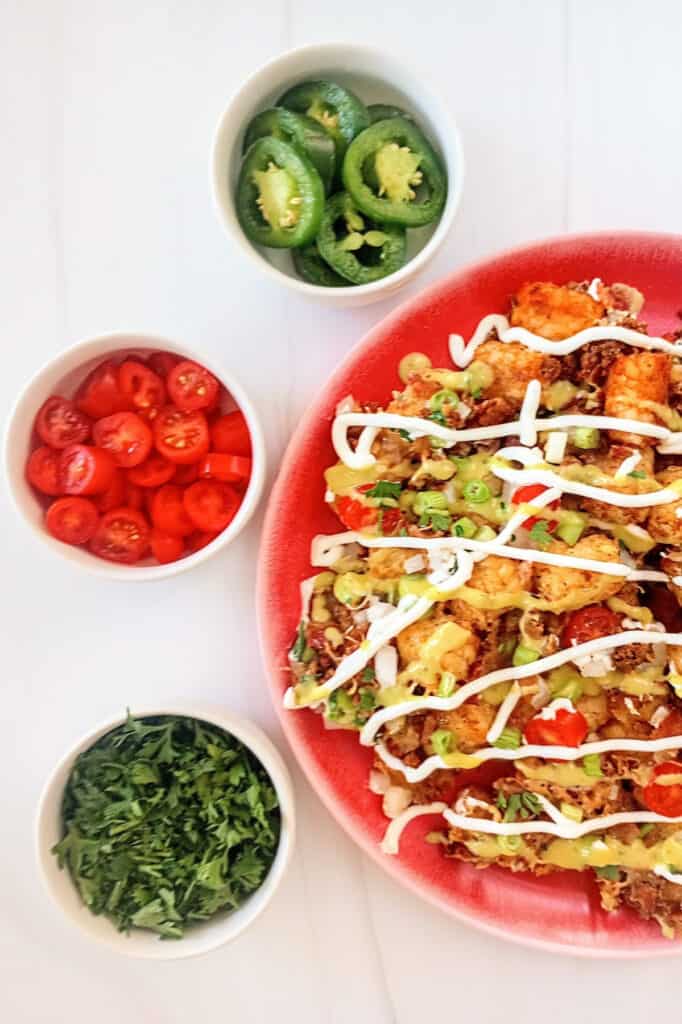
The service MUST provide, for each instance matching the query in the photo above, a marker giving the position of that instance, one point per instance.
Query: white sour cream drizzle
(463, 353)
(502, 716)
(437, 763)
(503, 675)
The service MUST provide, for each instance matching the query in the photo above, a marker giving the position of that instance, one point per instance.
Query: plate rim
(324, 790)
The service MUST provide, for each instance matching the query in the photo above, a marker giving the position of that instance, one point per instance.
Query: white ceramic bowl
(209, 934)
(62, 375)
(376, 77)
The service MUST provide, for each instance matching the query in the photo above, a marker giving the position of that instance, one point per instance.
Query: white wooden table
(570, 119)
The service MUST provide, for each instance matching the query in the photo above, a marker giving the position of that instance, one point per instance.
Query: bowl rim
(101, 346)
(216, 931)
(351, 825)
(228, 217)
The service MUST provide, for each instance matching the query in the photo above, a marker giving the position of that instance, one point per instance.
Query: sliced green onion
(644, 830)
(442, 742)
(429, 501)
(610, 871)
(448, 682)
(586, 437)
(464, 527)
(443, 397)
(510, 844)
(476, 491)
(485, 533)
(524, 655)
(592, 766)
(509, 739)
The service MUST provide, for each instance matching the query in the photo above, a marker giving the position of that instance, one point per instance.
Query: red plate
(560, 912)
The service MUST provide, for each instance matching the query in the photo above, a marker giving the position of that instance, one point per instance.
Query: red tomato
(135, 495)
(179, 436)
(85, 470)
(114, 496)
(153, 472)
(566, 729)
(663, 793)
(144, 389)
(353, 513)
(525, 495)
(168, 511)
(72, 520)
(42, 470)
(211, 505)
(121, 536)
(125, 436)
(185, 475)
(59, 423)
(99, 395)
(392, 520)
(192, 386)
(228, 468)
(162, 363)
(589, 623)
(165, 547)
(230, 434)
(197, 541)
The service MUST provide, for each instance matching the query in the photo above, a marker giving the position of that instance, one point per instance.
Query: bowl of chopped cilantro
(165, 833)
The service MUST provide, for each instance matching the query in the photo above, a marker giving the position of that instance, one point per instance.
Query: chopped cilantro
(637, 474)
(385, 489)
(367, 674)
(406, 436)
(435, 521)
(296, 653)
(438, 417)
(166, 821)
(540, 534)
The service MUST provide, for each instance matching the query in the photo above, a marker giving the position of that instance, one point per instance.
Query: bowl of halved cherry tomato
(134, 457)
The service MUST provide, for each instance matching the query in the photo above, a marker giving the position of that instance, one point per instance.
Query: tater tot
(663, 524)
(633, 382)
(554, 311)
(577, 587)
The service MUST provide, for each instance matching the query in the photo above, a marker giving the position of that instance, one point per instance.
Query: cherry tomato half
(230, 469)
(99, 395)
(162, 363)
(230, 434)
(115, 494)
(192, 386)
(153, 472)
(589, 623)
(42, 470)
(566, 729)
(144, 389)
(165, 547)
(85, 470)
(200, 539)
(179, 436)
(122, 535)
(59, 423)
(525, 496)
(663, 793)
(72, 520)
(125, 436)
(211, 505)
(168, 511)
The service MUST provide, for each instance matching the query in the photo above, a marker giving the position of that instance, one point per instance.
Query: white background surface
(570, 115)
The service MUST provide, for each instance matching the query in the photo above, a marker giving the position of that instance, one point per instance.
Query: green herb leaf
(167, 820)
(385, 489)
(637, 474)
(610, 871)
(540, 534)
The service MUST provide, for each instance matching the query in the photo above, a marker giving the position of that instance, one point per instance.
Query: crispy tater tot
(554, 311)
(495, 574)
(609, 463)
(389, 563)
(634, 381)
(579, 587)
(514, 366)
(411, 643)
(470, 723)
(663, 524)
